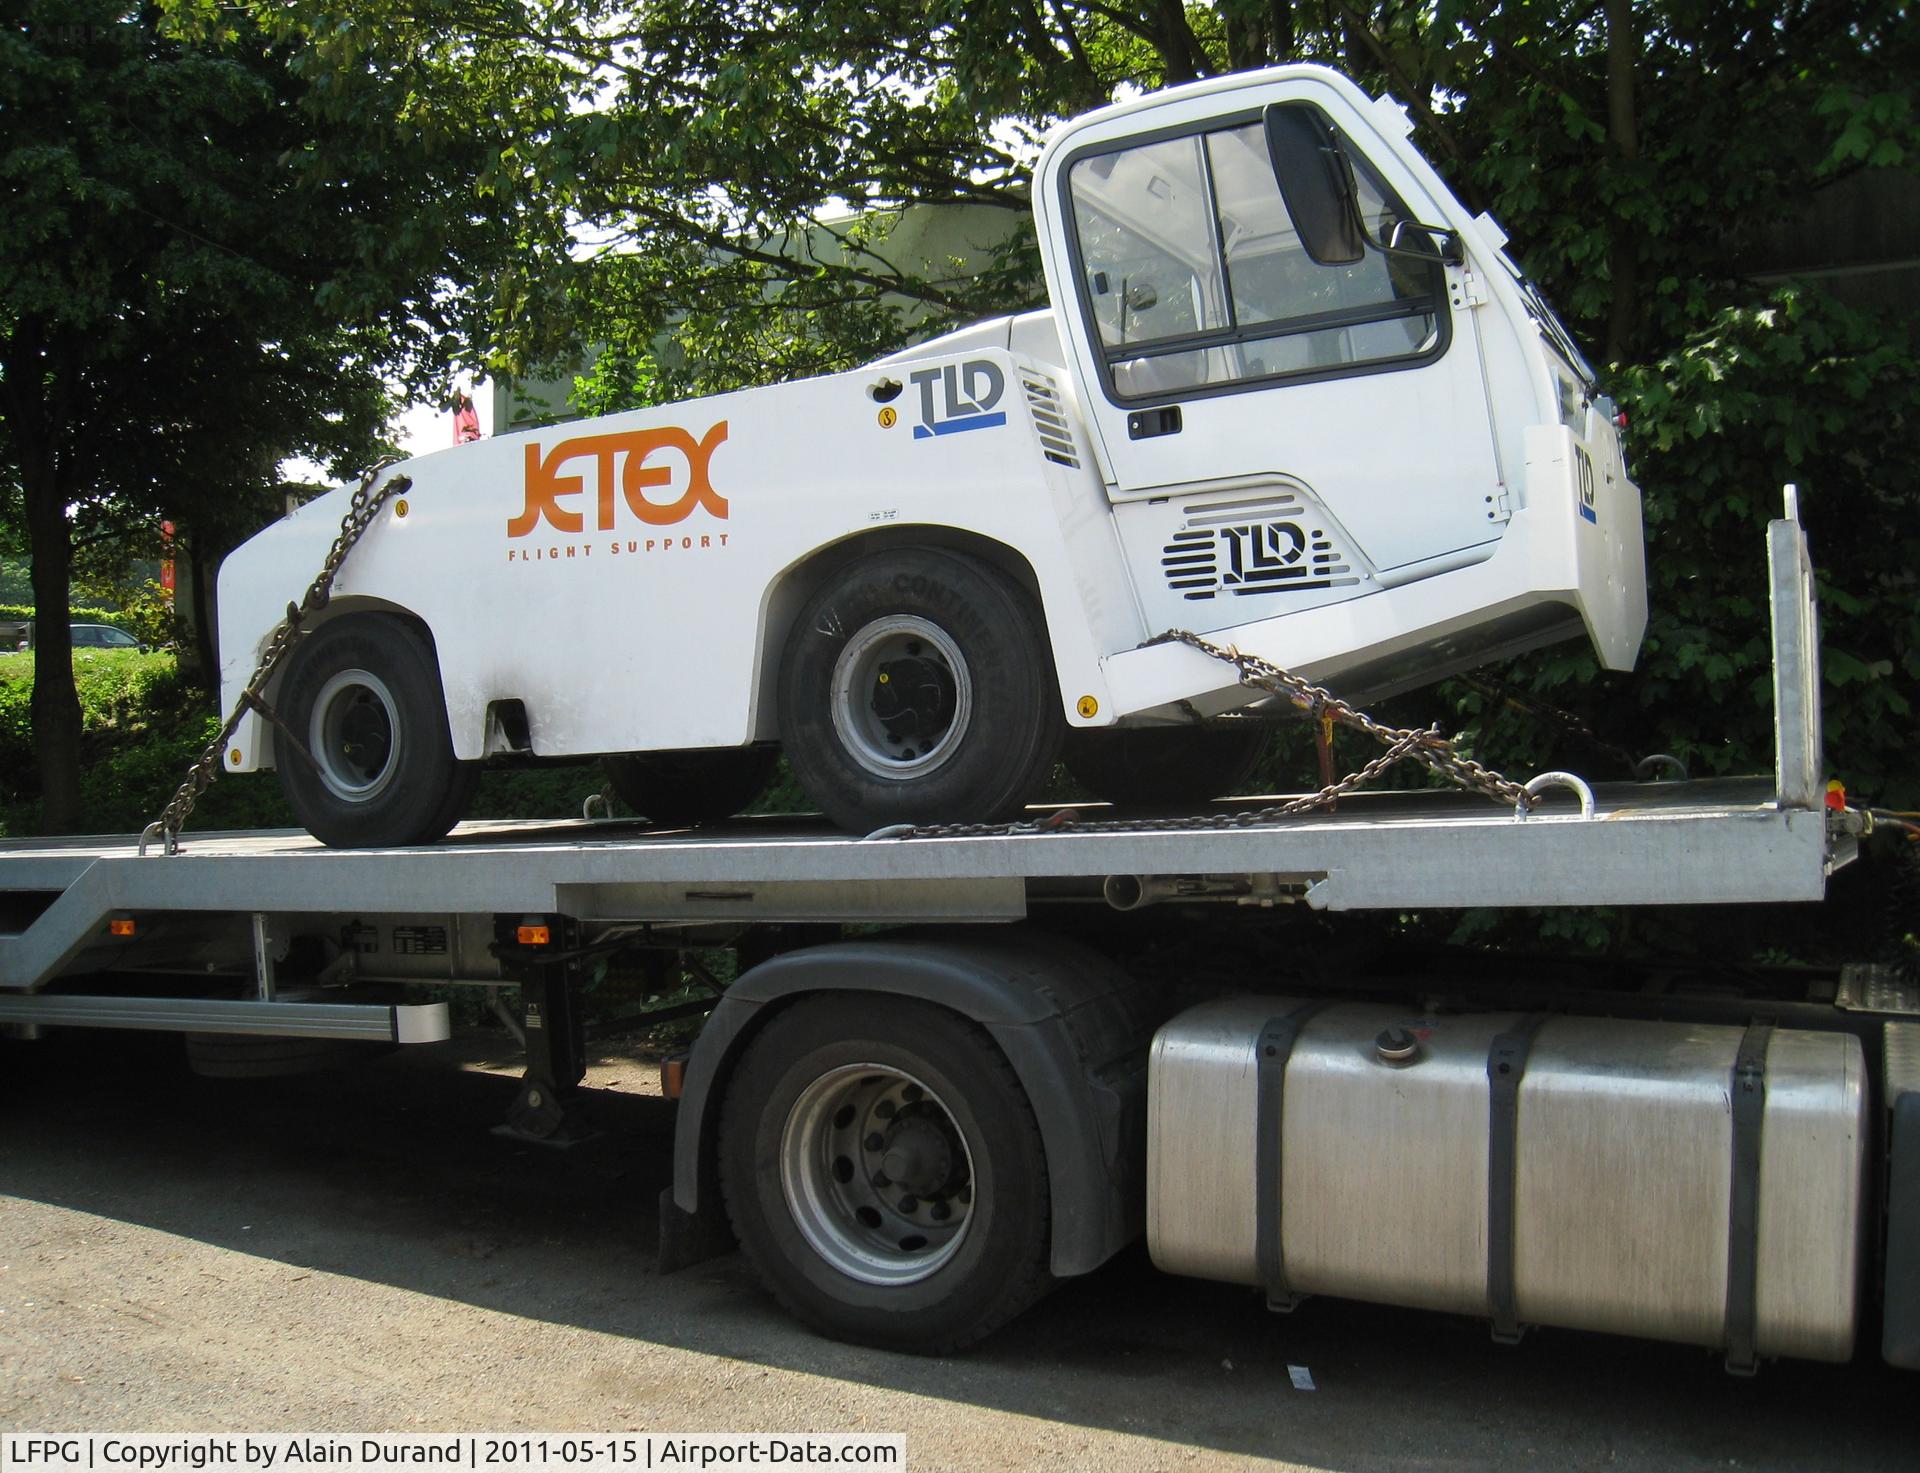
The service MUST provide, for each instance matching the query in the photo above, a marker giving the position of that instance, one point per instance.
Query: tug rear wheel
(363, 694)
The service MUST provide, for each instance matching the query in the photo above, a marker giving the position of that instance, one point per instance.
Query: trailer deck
(1715, 841)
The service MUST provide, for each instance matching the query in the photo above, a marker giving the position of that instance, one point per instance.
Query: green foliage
(1795, 389)
(9, 612)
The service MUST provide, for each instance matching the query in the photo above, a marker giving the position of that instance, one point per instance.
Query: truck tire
(677, 788)
(884, 1172)
(918, 688)
(1156, 766)
(364, 694)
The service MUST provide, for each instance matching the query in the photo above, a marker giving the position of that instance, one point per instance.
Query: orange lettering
(545, 485)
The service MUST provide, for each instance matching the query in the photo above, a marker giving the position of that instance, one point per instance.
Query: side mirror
(1316, 181)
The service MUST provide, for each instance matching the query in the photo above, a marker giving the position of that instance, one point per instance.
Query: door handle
(1145, 424)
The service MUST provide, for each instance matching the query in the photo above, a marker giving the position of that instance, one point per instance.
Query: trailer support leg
(546, 1111)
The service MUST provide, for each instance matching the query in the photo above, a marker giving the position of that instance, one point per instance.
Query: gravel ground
(354, 1251)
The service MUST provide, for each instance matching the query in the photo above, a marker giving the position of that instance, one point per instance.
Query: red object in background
(466, 421)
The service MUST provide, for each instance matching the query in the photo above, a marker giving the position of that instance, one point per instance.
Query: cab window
(1194, 277)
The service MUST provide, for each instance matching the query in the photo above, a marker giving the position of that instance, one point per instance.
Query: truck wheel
(364, 694)
(918, 688)
(1164, 765)
(884, 1172)
(691, 787)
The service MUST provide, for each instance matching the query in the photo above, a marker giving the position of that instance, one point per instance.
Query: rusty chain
(368, 498)
(1428, 748)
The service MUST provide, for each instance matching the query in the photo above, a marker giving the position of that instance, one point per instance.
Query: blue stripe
(955, 426)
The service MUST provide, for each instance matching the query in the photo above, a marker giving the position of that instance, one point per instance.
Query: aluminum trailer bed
(1652, 843)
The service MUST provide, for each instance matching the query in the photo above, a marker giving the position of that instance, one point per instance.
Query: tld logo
(1583, 483)
(959, 396)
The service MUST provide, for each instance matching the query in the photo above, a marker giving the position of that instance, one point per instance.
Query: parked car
(103, 637)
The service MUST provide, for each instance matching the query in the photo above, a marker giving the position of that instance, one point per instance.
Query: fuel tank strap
(1277, 1038)
(1506, 1067)
(1749, 1095)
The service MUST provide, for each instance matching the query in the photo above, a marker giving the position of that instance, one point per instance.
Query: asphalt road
(355, 1252)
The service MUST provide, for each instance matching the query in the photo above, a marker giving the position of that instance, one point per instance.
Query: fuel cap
(1395, 1045)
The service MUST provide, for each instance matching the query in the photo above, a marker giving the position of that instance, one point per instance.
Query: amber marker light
(534, 935)
(122, 927)
(673, 1076)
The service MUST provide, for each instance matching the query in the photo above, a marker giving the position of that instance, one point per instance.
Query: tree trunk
(56, 705)
(1623, 129)
(203, 669)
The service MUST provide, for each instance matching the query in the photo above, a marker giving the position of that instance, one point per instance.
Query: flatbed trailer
(919, 1100)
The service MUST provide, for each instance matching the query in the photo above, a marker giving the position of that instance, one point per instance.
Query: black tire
(363, 693)
(1160, 766)
(804, 1208)
(977, 728)
(691, 787)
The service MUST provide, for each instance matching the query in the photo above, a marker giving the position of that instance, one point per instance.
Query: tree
(211, 259)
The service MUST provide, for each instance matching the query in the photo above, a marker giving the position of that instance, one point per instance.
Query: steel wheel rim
(354, 735)
(919, 740)
(841, 1135)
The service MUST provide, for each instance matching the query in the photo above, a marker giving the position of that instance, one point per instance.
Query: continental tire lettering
(620, 462)
(941, 596)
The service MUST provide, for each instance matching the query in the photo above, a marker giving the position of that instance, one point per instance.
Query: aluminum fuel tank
(1626, 1212)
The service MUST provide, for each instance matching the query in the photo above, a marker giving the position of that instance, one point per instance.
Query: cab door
(1276, 432)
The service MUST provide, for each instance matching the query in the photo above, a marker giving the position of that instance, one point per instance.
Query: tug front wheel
(363, 694)
(918, 688)
(884, 1173)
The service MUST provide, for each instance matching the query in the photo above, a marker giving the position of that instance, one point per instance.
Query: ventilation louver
(1253, 547)
(1050, 419)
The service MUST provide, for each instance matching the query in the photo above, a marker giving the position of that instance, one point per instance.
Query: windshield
(1549, 323)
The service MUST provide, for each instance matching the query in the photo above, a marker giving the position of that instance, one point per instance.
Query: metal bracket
(262, 957)
(1749, 1096)
(1276, 1043)
(1463, 289)
(1506, 1066)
